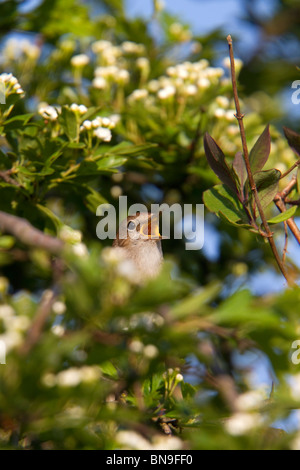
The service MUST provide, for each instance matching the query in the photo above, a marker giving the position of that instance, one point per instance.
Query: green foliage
(94, 359)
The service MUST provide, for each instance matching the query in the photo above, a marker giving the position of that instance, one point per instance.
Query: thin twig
(43, 312)
(293, 202)
(239, 116)
(279, 200)
(226, 387)
(290, 169)
(286, 240)
(5, 176)
(29, 235)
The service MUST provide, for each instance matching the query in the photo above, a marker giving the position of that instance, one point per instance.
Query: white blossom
(87, 124)
(69, 235)
(48, 112)
(251, 400)
(136, 346)
(150, 351)
(99, 82)
(80, 249)
(241, 423)
(222, 101)
(138, 95)
(78, 108)
(80, 60)
(190, 90)
(58, 330)
(167, 92)
(59, 307)
(10, 84)
(122, 76)
(143, 63)
(130, 47)
(100, 46)
(203, 82)
(103, 134)
(179, 377)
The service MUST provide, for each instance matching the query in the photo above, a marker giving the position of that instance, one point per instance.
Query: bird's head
(138, 229)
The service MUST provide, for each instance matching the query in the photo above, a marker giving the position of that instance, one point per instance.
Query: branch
(279, 200)
(43, 312)
(291, 169)
(28, 234)
(5, 175)
(239, 116)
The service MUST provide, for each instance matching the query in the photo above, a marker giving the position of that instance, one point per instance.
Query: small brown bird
(139, 239)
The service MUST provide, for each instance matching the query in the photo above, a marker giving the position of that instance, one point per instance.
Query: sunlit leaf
(293, 139)
(216, 160)
(283, 215)
(260, 152)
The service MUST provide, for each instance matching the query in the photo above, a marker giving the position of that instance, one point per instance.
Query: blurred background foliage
(101, 105)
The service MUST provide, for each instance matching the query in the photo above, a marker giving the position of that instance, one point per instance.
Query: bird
(139, 241)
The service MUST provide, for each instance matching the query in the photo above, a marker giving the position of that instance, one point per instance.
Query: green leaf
(220, 199)
(50, 215)
(93, 199)
(68, 121)
(6, 242)
(260, 152)
(91, 112)
(267, 185)
(110, 162)
(14, 122)
(293, 139)
(283, 215)
(239, 167)
(128, 149)
(235, 224)
(216, 160)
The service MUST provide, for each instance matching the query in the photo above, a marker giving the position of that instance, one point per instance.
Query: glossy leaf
(220, 199)
(68, 122)
(260, 152)
(267, 185)
(216, 160)
(293, 139)
(283, 215)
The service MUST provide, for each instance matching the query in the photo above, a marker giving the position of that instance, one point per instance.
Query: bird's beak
(150, 229)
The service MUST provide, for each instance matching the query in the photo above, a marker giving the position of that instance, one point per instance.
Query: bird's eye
(131, 225)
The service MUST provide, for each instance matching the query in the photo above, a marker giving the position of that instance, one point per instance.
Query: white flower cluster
(179, 32)
(150, 351)
(101, 127)
(72, 377)
(78, 108)
(241, 423)
(188, 79)
(113, 62)
(148, 321)
(223, 108)
(10, 85)
(104, 75)
(14, 327)
(48, 112)
(74, 238)
(51, 113)
(133, 440)
(80, 60)
(15, 48)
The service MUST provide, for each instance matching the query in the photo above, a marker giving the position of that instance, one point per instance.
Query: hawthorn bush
(98, 105)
